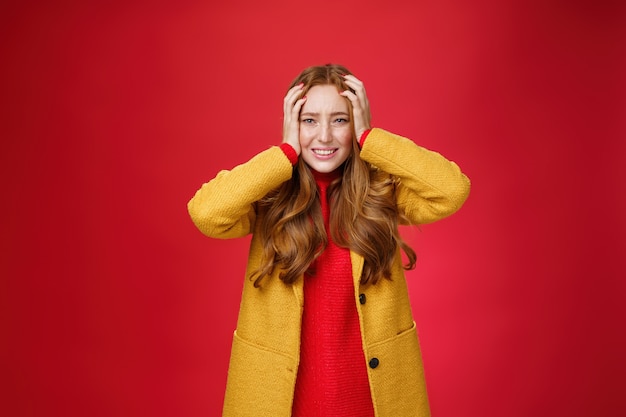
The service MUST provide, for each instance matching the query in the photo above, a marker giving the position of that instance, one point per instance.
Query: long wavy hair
(363, 212)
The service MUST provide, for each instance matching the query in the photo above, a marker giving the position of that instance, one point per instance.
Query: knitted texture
(332, 377)
(290, 153)
(265, 358)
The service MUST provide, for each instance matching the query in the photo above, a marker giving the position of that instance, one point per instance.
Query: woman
(325, 325)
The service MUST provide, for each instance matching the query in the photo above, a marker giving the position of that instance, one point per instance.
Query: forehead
(321, 98)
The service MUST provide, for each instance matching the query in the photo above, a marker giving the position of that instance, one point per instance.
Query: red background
(113, 304)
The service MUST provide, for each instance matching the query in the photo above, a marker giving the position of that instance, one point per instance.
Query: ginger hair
(363, 213)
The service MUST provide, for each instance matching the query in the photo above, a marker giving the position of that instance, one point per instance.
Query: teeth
(324, 151)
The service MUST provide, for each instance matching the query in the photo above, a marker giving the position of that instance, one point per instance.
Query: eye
(341, 120)
(308, 121)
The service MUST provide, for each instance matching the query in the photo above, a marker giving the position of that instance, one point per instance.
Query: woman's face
(325, 131)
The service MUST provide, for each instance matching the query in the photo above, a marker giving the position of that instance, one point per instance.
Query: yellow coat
(266, 344)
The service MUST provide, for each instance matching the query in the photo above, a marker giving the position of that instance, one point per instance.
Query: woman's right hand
(291, 118)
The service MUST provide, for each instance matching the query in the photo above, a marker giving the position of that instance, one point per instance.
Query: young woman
(325, 325)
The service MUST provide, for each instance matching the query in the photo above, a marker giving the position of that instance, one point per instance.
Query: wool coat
(266, 343)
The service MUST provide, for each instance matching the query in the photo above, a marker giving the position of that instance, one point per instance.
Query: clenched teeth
(324, 151)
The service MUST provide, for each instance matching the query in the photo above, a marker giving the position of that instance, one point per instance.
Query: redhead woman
(325, 325)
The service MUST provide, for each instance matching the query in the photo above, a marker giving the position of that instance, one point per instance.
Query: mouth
(324, 152)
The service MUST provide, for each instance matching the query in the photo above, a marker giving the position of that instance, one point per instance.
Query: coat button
(374, 363)
(362, 298)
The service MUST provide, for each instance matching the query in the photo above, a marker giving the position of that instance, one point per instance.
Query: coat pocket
(260, 381)
(397, 376)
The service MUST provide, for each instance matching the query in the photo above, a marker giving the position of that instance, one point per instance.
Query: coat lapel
(298, 291)
(357, 268)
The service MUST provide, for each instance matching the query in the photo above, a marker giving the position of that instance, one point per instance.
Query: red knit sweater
(332, 376)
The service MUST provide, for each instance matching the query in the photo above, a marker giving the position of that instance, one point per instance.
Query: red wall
(113, 304)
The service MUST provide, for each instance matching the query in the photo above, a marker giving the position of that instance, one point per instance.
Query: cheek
(345, 138)
(304, 136)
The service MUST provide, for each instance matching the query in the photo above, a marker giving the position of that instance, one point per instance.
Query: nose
(325, 134)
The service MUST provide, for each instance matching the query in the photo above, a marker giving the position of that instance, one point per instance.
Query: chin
(324, 168)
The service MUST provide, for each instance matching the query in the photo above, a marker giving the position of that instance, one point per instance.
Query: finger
(351, 77)
(289, 101)
(359, 103)
(292, 95)
(359, 90)
(354, 82)
(291, 118)
(295, 110)
(291, 122)
(354, 99)
(360, 109)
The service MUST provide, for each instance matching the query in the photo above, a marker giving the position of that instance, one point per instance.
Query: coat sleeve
(224, 207)
(430, 186)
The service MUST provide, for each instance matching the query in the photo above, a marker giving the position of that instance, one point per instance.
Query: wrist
(290, 152)
(363, 137)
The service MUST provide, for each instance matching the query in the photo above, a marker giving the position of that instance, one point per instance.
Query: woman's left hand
(360, 104)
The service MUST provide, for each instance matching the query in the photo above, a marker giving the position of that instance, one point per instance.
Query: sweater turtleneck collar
(325, 178)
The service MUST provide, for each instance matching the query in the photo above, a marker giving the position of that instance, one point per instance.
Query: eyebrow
(337, 113)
